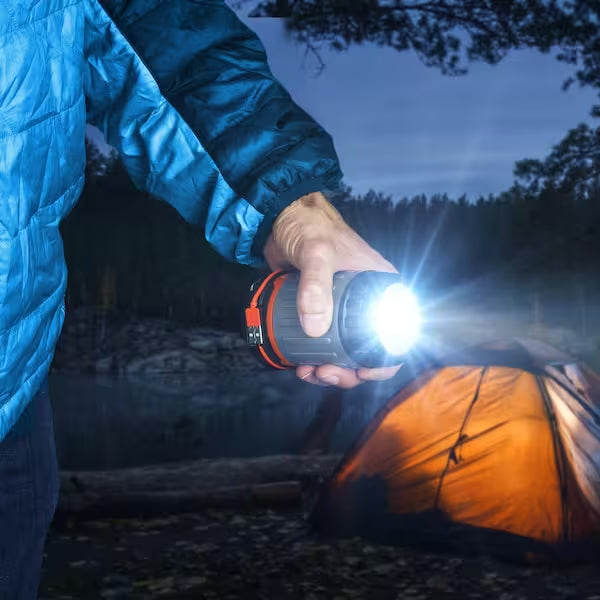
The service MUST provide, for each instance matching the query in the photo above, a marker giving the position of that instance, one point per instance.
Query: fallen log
(263, 482)
(281, 495)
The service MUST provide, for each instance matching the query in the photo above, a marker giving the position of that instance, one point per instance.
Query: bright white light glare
(397, 319)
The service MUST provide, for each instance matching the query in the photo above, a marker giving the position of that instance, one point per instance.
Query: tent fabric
(509, 447)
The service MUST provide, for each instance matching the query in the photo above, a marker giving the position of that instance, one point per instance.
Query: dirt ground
(270, 555)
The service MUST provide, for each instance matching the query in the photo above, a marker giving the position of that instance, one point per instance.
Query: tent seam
(459, 439)
(559, 456)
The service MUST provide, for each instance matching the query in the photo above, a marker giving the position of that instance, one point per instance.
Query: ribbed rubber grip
(293, 343)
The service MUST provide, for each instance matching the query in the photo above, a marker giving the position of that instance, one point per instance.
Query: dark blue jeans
(28, 495)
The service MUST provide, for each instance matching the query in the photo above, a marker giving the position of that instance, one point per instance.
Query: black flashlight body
(273, 326)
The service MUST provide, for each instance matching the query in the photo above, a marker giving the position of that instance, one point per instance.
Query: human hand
(311, 235)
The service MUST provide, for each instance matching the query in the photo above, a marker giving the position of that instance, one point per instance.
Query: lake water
(105, 422)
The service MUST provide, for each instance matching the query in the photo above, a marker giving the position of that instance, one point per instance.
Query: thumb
(315, 292)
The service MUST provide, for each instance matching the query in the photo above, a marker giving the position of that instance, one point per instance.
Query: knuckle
(317, 249)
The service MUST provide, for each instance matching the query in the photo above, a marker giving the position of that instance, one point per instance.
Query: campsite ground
(267, 555)
(272, 555)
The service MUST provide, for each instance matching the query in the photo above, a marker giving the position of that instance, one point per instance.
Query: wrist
(309, 211)
(309, 219)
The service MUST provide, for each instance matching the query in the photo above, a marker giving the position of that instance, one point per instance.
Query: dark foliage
(573, 165)
(130, 252)
(448, 34)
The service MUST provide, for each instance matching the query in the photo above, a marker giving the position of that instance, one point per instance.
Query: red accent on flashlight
(261, 349)
(256, 321)
(252, 317)
(262, 286)
(276, 285)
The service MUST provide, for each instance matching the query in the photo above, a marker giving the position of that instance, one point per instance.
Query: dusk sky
(403, 129)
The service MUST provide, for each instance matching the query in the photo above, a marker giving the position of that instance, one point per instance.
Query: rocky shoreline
(107, 342)
(171, 359)
(98, 342)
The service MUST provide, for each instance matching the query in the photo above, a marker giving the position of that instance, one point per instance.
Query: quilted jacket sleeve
(183, 90)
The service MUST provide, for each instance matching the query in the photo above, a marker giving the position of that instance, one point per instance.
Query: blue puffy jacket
(182, 89)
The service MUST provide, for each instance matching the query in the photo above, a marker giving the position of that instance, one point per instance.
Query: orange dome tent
(496, 449)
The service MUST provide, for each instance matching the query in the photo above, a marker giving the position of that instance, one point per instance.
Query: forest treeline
(131, 253)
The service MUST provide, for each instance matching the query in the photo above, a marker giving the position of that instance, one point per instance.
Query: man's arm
(183, 90)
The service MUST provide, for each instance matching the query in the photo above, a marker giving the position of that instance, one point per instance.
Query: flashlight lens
(396, 318)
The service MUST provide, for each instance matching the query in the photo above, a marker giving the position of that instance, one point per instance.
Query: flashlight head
(379, 318)
(396, 319)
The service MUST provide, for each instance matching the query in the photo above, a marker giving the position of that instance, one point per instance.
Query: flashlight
(376, 321)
